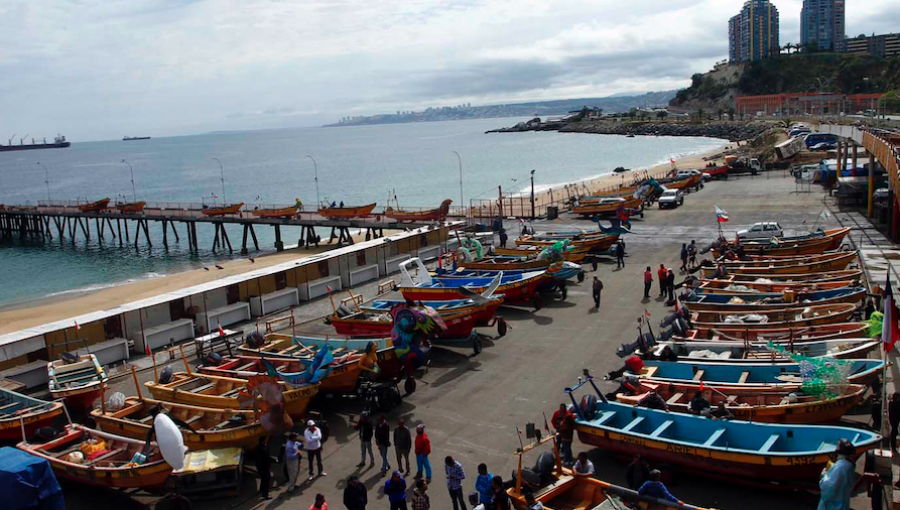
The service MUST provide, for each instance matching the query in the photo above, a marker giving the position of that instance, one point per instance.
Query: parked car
(671, 198)
(763, 230)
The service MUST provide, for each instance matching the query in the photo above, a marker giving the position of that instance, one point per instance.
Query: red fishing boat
(17, 411)
(99, 205)
(346, 212)
(460, 320)
(131, 207)
(429, 215)
(80, 380)
(223, 210)
(424, 287)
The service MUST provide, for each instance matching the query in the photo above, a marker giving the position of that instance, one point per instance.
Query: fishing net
(821, 376)
(555, 252)
(875, 324)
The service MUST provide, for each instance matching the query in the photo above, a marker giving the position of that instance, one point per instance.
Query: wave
(100, 286)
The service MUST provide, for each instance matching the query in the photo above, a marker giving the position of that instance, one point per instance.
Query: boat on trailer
(423, 287)
(78, 379)
(736, 351)
(751, 375)
(697, 301)
(775, 318)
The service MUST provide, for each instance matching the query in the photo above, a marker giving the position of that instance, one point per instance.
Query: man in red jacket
(423, 450)
(558, 416)
(661, 276)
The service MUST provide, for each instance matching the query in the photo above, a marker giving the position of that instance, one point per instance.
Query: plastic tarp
(27, 482)
(211, 460)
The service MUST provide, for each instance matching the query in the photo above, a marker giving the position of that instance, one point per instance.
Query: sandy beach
(19, 316)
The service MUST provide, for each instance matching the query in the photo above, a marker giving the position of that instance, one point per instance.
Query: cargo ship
(130, 138)
(58, 143)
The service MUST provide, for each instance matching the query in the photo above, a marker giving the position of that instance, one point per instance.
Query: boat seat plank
(550, 488)
(193, 419)
(826, 446)
(714, 437)
(232, 393)
(674, 398)
(8, 408)
(605, 417)
(107, 455)
(744, 376)
(65, 452)
(203, 388)
(182, 383)
(699, 375)
(662, 428)
(146, 419)
(634, 423)
(245, 367)
(732, 400)
(769, 443)
(650, 371)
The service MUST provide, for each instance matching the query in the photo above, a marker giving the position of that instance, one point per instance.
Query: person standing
(684, 257)
(320, 503)
(656, 489)
(501, 498)
(637, 472)
(355, 496)
(483, 486)
(692, 254)
(383, 441)
(648, 281)
(503, 237)
(836, 482)
(566, 433)
(292, 459)
(366, 431)
(313, 437)
(455, 476)
(264, 466)
(661, 275)
(670, 285)
(420, 499)
(597, 288)
(558, 415)
(402, 445)
(395, 489)
(620, 255)
(423, 450)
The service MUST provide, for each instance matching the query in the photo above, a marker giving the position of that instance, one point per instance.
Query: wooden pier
(66, 220)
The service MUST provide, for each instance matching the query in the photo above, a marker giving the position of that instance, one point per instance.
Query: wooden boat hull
(222, 211)
(750, 375)
(531, 251)
(592, 245)
(79, 383)
(430, 215)
(347, 212)
(708, 286)
(700, 305)
(778, 335)
(484, 312)
(831, 240)
(459, 325)
(245, 436)
(131, 208)
(740, 352)
(518, 290)
(807, 278)
(285, 212)
(30, 412)
(597, 208)
(99, 205)
(834, 264)
(493, 264)
(778, 318)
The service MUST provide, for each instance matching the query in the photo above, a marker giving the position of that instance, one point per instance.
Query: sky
(96, 69)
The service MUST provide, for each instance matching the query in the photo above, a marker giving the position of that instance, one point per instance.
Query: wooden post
(137, 385)
(187, 367)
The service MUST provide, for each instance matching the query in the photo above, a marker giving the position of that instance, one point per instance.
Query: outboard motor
(588, 406)
(68, 357)
(255, 340)
(45, 435)
(166, 376)
(213, 359)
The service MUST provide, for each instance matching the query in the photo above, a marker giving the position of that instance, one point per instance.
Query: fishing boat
(828, 276)
(684, 183)
(485, 309)
(17, 411)
(78, 379)
(529, 251)
(738, 333)
(346, 212)
(109, 467)
(787, 260)
(506, 263)
(774, 318)
(696, 301)
(738, 450)
(99, 205)
(558, 271)
(423, 287)
(282, 212)
(222, 392)
(712, 286)
(834, 238)
(830, 262)
(608, 206)
(593, 244)
(734, 350)
(756, 375)
(766, 407)
(781, 249)
(221, 210)
(365, 324)
(130, 207)
(435, 214)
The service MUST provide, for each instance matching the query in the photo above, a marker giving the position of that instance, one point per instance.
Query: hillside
(830, 72)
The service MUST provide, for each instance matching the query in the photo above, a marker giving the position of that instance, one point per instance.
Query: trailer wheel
(477, 346)
(581, 277)
(502, 327)
(537, 302)
(410, 385)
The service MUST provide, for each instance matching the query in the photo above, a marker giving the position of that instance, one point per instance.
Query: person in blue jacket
(483, 486)
(395, 488)
(838, 479)
(654, 488)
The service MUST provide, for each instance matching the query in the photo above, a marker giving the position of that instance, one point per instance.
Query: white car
(764, 230)
(671, 198)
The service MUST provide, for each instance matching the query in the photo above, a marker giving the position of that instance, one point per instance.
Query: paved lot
(473, 404)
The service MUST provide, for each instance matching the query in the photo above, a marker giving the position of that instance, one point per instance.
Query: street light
(133, 192)
(462, 203)
(316, 171)
(46, 180)
(532, 194)
(222, 169)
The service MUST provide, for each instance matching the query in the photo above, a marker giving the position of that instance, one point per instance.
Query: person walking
(320, 503)
(383, 441)
(355, 495)
(656, 489)
(503, 237)
(597, 288)
(692, 254)
(366, 431)
(661, 275)
(420, 499)
(455, 476)
(395, 489)
(292, 459)
(670, 285)
(423, 450)
(637, 472)
(402, 445)
(264, 466)
(620, 255)
(684, 257)
(483, 486)
(501, 498)
(313, 437)
(648, 282)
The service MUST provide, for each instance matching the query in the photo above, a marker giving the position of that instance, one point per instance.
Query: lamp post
(133, 191)
(316, 173)
(532, 194)
(222, 169)
(46, 180)
(462, 203)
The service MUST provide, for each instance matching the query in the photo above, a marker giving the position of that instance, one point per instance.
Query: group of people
(666, 278)
(688, 256)
(401, 439)
(311, 444)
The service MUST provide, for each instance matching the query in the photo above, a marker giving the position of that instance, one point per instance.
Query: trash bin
(552, 212)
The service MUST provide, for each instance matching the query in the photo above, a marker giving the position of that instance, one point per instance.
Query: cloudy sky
(99, 69)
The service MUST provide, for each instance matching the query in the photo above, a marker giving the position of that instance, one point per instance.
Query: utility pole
(532, 195)
(133, 192)
(316, 171)
(222, 170)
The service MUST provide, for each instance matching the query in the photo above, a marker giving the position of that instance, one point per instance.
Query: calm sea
(355, 164)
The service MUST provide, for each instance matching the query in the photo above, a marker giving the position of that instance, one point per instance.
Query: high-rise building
(822, 23)
(753, 33)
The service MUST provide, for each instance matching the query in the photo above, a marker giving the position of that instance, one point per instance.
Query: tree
(890, 102)
(661, 115)
(701, 115)
(632, 113)
(731, 113)
(696, 80)
(720, 112)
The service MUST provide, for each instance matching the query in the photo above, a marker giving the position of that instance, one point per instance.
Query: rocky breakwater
(732, 131)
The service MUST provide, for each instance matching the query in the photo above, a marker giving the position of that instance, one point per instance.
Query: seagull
(205, 268)
(251, 260)
(219, 267)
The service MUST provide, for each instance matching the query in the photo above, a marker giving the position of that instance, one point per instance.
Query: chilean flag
(721, 215)
(890, 332)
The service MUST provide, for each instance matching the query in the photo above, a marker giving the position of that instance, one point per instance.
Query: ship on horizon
(130, 138)
(58, 143)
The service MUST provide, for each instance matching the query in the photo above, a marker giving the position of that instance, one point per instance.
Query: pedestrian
(566, 433)
(292, 459)
(655, 489)
(483, 486)
(692, 254)
(423, 450)
(264, 466)
(620, 255)
(501, 498)
(503, 237)
(383, 441)
(455, 476)
(836, 482)
(583, 466)
(558, 415)
(684, 257)
(420, 499)
(648, 282)
(402, 445)
(355, 495)
(563, 289)
(699, 405)
(313, 437)
(366, 431)
(395, 489)
(637, 472)
(598, 288)
(661, 275)
(320, 503)
(670, 285)
(531, 503)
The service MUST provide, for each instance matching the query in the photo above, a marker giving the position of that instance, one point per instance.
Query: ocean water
(355, 165)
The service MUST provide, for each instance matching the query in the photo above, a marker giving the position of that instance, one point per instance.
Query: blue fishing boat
(760, 374)
(559, 272)
(424, 287)
(739, 450)
(698, 300)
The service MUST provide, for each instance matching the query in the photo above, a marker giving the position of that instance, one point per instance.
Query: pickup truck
(716, 172)
(671, 198)
(763, 230)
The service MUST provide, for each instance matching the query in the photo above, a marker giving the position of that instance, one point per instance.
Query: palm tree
(661, 115)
